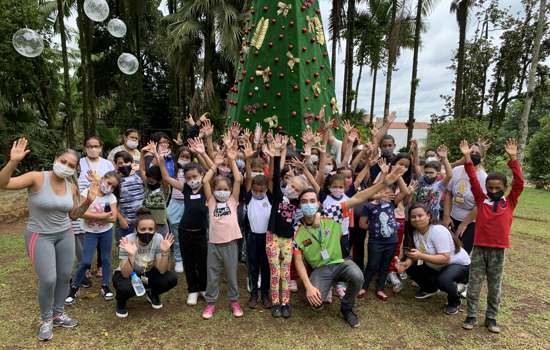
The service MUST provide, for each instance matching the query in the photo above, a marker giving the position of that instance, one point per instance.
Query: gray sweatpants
(52, 257)
(325, 276)
(222, 257)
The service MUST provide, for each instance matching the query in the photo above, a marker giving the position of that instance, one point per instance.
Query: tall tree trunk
(349, 56)
(91, 78)
(485, 68)
(524, 121)
(414, 80)
(392, 53)
(69, 119)
(335, 34)
(357, 87)
(373, 94)
(462, 16)
(81, 22)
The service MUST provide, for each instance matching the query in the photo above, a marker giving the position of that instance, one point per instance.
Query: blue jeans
(91, 240)
(175, 212)
(379, 258)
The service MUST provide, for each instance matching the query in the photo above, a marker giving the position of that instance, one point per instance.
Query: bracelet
(165, 253)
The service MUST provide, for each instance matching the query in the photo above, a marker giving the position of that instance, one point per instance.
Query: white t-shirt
(438, 240)
(331, 202)
(97, 206)
(463, 199)
(101, 167)
(258, 212)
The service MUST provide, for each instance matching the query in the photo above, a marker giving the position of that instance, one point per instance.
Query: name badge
(195, 196)
(420, 262)
(324, 254)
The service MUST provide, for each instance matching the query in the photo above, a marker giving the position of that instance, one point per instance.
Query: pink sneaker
(235, 309)
(209, 311)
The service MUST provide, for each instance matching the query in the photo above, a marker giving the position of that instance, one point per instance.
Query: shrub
(538, 154)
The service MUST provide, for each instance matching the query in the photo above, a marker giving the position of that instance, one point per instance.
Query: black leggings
(194, 248)
(445, 279)
(257, 262)
(158, 283)
(357, 245)
(467, 237)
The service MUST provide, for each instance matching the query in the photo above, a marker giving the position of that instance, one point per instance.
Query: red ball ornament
(302, 8)
(267, 86)
(322, 66)
(318, 11)
(250, 94)
(266, 8)
(312, 40)
(251, 78)
(273, 20)
(291, 23)
(259, 66)
(283, 27)
(241, 60)
(304, 30)
(243, 72)
(256, 52)
(281, 36)
(316, 74)
(308, 81)
(270, 44)
(290, 46)
(294, 114)
(281, 75)
(308, 61)
(314, 58)
(304, 49)
(265, 105)
(306, 98)
(296, 87)
(279, 94)
(276, 59)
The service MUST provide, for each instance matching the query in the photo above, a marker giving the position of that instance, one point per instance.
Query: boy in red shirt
(492, 235)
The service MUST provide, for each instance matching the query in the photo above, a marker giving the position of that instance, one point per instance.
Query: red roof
(418, 125)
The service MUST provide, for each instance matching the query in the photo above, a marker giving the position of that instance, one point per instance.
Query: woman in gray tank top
(53, 202)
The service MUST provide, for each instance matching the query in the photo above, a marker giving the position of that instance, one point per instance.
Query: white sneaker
(179, 267)
(395, 282)
(462, 289)
(192, 299)
(203, 295)
(259, 281)
(293, 286)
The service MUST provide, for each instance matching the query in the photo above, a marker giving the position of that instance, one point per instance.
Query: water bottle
(107, 208)
(137, 284)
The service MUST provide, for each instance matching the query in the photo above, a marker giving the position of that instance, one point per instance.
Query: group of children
(201, 202)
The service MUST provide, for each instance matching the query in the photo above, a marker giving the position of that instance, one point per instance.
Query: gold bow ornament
(292, 61)
(264, 74)
(283, 8)
(273, 121)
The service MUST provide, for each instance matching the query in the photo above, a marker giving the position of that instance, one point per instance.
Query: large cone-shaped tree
(283, 79)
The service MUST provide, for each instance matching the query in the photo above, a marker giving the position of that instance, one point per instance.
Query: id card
(195, 196)
(324, 254)
(420, 262)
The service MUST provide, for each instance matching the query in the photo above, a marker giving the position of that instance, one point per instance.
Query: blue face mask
(309, 209)
(240, 164)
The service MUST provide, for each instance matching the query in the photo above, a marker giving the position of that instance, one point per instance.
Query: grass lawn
(402, 322)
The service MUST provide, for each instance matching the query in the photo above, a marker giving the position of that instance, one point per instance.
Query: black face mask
(125, 170)
(495, 196)
(429, 180)
(476, 158)
(145, 238)
(153, 186)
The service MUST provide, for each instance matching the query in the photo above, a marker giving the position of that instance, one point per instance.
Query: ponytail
(144, 214)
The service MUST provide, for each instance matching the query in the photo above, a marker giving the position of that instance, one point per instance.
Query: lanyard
(318, 239)
(422, 242)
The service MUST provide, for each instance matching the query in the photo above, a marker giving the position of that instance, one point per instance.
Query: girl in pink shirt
(224, 232)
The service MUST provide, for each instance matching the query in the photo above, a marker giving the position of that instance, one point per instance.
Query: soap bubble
(128, 63)
(27, 42)
(117, 28)
(96, 10)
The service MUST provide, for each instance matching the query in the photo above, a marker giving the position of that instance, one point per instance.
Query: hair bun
(143, 211)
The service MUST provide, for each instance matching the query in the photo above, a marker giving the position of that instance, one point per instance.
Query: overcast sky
(435, 56)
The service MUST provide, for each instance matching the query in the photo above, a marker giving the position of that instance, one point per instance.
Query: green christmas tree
(283, 79)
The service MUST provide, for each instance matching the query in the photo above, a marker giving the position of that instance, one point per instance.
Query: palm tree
(461, 7)
(348, 66)
(336, 20)
(423, 7)
(63, 9)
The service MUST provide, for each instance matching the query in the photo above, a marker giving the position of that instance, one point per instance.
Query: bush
(538, 154)
(452, 131)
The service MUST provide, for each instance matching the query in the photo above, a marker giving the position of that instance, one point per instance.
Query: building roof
(418, 125)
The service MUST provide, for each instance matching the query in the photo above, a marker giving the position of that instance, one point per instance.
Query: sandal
(381, 295)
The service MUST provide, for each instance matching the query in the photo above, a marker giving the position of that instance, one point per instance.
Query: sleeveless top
(48, 212)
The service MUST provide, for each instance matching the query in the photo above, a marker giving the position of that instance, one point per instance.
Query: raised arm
(443, 152)
(248, 154)
(166, 177)
(302, 166)
(511, 149)
(237, 177)
(417, 170)
(150, 148)
(207, 179)
(471, 171)
(18, 152)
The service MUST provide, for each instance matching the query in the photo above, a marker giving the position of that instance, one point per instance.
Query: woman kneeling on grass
(53, 202)
(435, 258)
(148, 255)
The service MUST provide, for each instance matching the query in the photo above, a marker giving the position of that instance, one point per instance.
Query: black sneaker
(285, 311)
(424, 295)
(71, 298)
(276, 310)
(469, 323)
(491, 325)
(253, 302)
(351, 318)
(86, 283)
(451, 309)
(121, 310)
(266, 301)
(154, 299)
(107, 293)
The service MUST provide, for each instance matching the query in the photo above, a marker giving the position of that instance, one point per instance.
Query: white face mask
(431, 159)
(183, 163)
(132, 144)
(314, 158)
(61, 170)
(290, 193)
(194, 184)
(105, 188)
(337, 192)
(255, 173)
(328, 169)
(222, 196)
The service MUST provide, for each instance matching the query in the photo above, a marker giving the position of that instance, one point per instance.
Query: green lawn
(402, 322)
